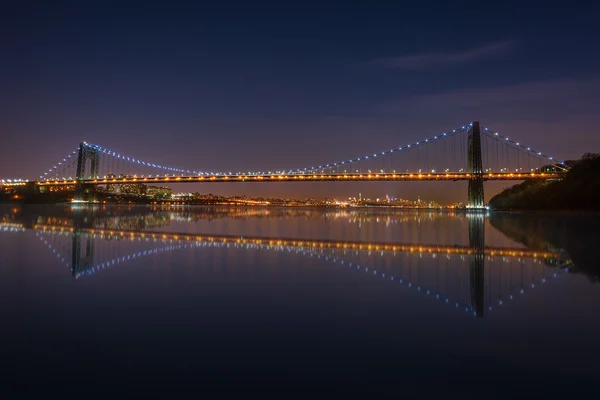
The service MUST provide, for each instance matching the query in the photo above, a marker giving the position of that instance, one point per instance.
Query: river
(298, 301)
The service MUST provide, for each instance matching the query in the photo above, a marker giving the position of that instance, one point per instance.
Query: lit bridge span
(469, 153)
(344, 177)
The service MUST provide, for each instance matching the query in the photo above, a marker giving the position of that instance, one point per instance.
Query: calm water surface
(298, 302)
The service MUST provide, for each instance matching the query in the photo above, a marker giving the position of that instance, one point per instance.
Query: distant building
(137, 189)
(63, 188)
(132, 188)
(159, 192)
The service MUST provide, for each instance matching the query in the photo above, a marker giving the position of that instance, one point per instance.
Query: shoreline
(232, 205)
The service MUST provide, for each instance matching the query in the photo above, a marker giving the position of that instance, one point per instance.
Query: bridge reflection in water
(473, 277)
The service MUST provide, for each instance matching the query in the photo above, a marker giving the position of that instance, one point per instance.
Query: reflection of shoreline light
(202, 213)
(13, 227)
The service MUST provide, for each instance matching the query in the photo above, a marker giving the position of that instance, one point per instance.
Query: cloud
(553, 98)
(425, 60)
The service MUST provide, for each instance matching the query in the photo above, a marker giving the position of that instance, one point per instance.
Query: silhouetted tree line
(578, 190)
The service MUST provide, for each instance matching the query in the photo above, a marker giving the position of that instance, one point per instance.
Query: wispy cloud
(575, 95)
(424, 60)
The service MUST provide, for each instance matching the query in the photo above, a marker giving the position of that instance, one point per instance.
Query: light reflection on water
(452, 285)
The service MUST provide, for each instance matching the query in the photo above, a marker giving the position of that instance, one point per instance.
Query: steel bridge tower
(475, 198)
(86, 152)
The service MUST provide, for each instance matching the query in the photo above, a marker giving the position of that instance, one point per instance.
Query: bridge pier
(85, 192)
(475, 194)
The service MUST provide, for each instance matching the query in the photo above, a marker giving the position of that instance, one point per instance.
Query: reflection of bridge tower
(476, 262)
(82, 253)
(475, 198)
(86, 152)
(82, 250)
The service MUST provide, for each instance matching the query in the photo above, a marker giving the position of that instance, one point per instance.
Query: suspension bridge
(472, 277)
(469, 153)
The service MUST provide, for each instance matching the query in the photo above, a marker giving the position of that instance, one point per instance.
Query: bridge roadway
(305, 243)
(354, 177)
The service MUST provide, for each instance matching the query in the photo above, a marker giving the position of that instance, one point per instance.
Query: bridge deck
(355, 177)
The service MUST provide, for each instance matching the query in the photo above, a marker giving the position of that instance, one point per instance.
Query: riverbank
(579, 190)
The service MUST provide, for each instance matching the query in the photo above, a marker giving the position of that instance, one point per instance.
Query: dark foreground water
(220, 302)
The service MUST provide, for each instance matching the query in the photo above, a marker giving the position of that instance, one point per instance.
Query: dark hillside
(578, 190)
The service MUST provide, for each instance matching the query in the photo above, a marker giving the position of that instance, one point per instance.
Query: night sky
(252, 87)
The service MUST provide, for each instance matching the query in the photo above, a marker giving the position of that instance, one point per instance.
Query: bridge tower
(475, 198)
(86, 152)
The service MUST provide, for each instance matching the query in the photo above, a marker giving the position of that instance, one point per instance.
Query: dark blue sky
(251, 87)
